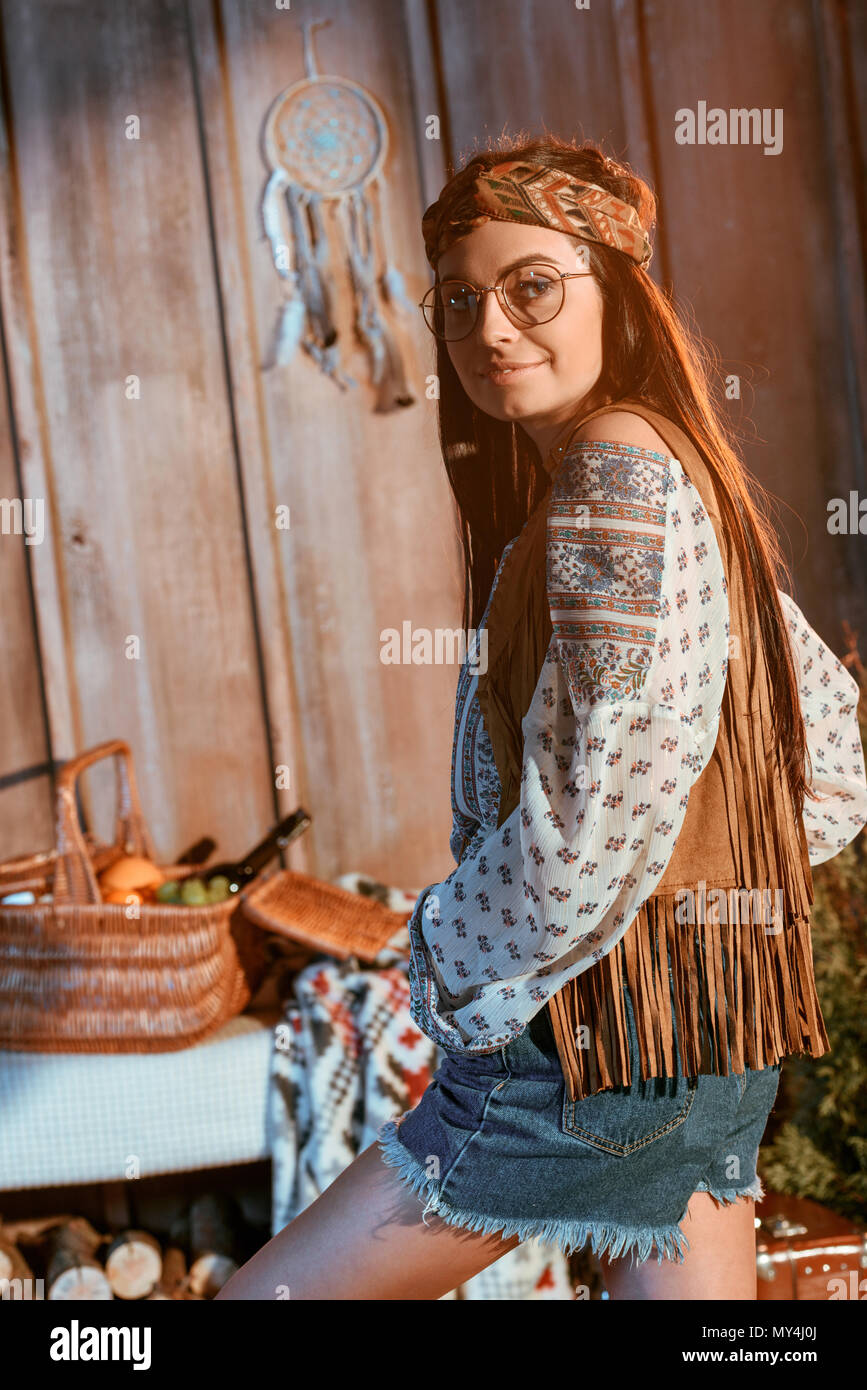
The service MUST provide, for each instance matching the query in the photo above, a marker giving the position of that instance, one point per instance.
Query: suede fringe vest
(733, 970)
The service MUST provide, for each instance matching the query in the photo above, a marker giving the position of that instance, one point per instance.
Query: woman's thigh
(720, 1262)
(364, 1238)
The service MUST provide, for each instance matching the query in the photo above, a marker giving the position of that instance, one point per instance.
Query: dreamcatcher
(325, 138)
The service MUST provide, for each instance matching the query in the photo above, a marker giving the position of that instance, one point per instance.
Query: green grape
(193, 892)
(219, 889)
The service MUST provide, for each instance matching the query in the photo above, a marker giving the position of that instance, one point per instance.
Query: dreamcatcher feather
(325, 140)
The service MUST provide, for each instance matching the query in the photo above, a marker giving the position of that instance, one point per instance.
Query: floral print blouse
(623, 719)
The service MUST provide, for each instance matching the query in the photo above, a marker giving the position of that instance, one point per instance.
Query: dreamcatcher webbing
(325, 140)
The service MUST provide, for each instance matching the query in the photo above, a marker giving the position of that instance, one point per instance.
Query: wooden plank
(146, 536)
(434, 156)
(754, 249)
(25, 805)
(841, 136)
(372, 540)
(638, 124)
(25, 434)
(522, 64)
(232, 267)
(852, 20)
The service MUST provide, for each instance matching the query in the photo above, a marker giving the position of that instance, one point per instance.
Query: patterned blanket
(347, 1057)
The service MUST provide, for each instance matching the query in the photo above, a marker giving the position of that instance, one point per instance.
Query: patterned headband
(539, 195)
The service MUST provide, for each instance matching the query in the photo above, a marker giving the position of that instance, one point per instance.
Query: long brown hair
(497, 476)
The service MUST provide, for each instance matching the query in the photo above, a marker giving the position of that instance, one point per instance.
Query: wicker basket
(34, 873)
(79, 975)
(322, 916)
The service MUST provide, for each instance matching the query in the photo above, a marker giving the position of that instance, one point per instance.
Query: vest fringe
(742, 996)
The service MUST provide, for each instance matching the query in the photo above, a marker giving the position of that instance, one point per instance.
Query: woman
(634, 735)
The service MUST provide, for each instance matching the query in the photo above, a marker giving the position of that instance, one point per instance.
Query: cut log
(174, 1269)
(209, 1273)
(133, 1264)
(72, 1273)
(80, 1282)
(35, 1229)
(215, 1224)
(14, 1266)
(173, 1278)
(182, 1296)
(179, 1229)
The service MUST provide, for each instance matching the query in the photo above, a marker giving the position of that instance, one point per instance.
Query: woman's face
(560, 361)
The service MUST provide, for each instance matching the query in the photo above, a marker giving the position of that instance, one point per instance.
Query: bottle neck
(277, 839)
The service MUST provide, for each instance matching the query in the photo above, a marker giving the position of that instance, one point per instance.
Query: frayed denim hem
(727, 1195)
(611, 1240)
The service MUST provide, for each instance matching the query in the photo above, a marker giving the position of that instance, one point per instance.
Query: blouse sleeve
(829, 703)
(623, 720)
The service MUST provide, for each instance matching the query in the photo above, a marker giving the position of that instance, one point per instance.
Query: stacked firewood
(65, 1258)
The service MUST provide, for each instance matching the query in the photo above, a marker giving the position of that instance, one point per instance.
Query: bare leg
(720, 1262)
(364, 1238)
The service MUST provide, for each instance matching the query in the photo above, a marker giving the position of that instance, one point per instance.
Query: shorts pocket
(628, 1118)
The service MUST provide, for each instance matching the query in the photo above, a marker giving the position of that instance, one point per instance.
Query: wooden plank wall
(372, 542)
(118, 382)
(144, 259)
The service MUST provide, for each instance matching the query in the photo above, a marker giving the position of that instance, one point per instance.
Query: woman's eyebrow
(532, 256)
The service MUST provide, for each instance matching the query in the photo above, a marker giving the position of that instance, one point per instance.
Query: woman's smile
(503, 376)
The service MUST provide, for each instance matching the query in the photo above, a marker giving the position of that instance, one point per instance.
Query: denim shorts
(496, 1145)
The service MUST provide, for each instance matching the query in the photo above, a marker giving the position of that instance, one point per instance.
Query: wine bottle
(242, 871)
(197, 853)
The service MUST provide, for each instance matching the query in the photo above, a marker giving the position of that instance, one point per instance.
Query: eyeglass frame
(498, 286)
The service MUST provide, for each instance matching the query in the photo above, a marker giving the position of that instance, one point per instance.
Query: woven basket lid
(322, 916)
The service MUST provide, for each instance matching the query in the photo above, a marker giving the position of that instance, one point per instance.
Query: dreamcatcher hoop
(312, 174)
(325, 139)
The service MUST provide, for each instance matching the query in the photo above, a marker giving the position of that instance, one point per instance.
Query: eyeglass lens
(533, 293)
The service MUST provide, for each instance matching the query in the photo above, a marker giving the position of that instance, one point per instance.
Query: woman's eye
(458, 301)
(534, 286)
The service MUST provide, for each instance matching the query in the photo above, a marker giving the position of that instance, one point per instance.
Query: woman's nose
(492, 321)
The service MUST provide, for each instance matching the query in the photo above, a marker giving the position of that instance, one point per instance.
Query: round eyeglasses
(530, 294)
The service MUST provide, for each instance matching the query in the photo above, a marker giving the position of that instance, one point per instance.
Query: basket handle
(74, 879)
